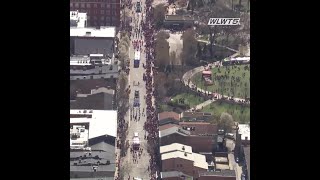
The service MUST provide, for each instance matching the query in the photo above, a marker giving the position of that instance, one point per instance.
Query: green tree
(162, 51)
(226, 122)
(189, 48)
(159, 15)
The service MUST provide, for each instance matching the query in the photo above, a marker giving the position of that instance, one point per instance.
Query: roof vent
(185, 154)
(183, 148)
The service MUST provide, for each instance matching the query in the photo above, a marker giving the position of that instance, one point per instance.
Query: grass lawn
(239, 113)
(239, 87)
(189, 99)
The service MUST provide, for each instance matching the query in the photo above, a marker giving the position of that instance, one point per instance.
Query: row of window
(94, 5)
(91, 77)
(107, 1)
(106, 12)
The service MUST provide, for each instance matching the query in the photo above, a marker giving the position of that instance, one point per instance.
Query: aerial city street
(158, 90)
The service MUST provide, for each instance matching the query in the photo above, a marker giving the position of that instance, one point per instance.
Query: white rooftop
(175, 147)
(104, 31)
(78, 19)
(103, 122)
(244, 130)
(198, 159)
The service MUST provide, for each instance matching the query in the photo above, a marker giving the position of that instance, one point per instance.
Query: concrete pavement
(128, 167)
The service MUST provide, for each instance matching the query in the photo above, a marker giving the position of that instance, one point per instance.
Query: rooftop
(97, 101)
(224, 173)
(244, 130)
(169, 174)
(173, 130)
(101, 123)
(168, 121)
(78, 19)
(198, 159)
(86, 45)
(105, 31)
(222, 166)
(167, 114)
(199, 128)
(166, 126)
(86, 86)
(247, 158)
(178, 18)
(175, 147)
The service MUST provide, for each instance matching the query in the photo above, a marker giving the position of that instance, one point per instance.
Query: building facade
(100, 12)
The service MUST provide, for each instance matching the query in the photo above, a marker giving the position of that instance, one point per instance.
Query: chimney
(185, 154)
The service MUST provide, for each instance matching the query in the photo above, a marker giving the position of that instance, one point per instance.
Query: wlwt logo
(223, 21)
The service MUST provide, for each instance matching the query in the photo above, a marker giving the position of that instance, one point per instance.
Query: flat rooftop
(102, 122)
(244, 130)
(78, 19)
(224, 173)
(104, 31)
(198, 159)
(175, 147)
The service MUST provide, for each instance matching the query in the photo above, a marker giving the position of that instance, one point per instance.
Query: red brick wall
(198, 143)
(216, 178)
(100, 13)
(174, 165)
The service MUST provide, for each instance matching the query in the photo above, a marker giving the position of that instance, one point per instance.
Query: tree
(162, 51)
(199, 52)
(226, 122)
(189, 49)
(159, 15)
(173, 58)
(193, 4)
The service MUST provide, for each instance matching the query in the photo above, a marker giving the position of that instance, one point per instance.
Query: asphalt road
(130, 168)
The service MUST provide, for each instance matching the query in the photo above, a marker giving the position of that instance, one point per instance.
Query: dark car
(138, 7)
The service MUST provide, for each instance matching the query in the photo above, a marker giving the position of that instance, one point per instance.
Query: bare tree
(226, 122)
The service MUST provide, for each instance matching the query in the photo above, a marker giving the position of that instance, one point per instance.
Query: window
(102, 5)
(71, 4)
(113, 6)
(76, 5)
(88, 5)
(95, 5)
(101, 11)
(107, 12)
(83, 5)
(102, 18)
(95, 18)
(108, 6)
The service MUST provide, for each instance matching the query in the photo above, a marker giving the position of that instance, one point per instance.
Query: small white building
(244, 130)
(78, 19)
(89, 124)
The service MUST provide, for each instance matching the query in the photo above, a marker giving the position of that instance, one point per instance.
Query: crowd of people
(151, 125)
(142, 28)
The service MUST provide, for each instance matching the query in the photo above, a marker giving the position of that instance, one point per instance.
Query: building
(179, 157)
(94, 66)
(244, 132)
(100, 13)
(200, 136)
(99, 99)
(85, 41)
(174, 175)
(246, 153)
(92, 143)
(167, 114)
(196, 116)
(218, 175)
(178, 21)
(78, 19)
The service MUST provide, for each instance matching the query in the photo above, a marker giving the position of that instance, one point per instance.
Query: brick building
(100, 12)
(200, 136)
(218, 175)
(179, 157)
